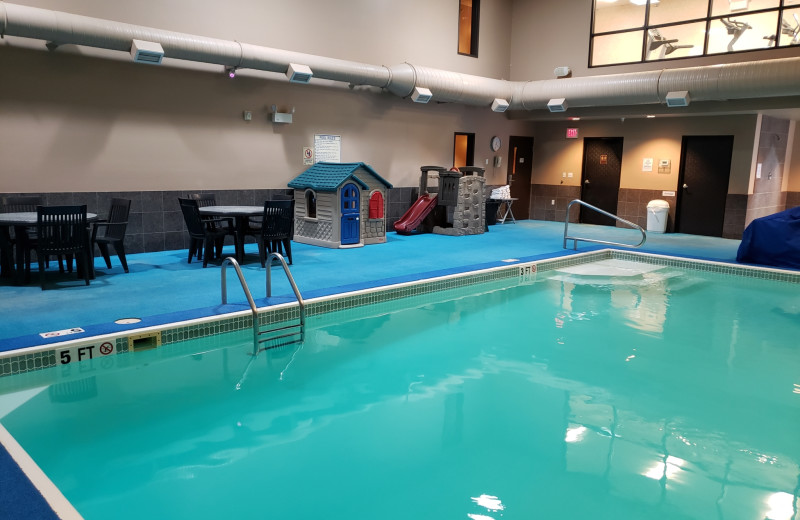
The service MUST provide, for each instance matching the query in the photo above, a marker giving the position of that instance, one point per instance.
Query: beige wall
(78, 123)
(658, 138)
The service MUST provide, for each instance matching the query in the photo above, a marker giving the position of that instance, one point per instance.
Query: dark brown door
(703, 184)
(520, 161)
(602, 164)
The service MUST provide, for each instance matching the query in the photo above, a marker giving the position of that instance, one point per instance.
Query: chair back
(61, 229)
(191, 215)
(204, 199)
(20, 203)
(118, 216)
(278, 219)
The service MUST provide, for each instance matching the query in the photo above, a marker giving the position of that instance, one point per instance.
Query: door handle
(586, 181)
(685, 186)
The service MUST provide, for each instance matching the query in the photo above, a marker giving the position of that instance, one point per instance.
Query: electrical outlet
(569, 175)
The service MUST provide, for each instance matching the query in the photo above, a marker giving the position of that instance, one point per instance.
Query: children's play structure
(340, 205)
(455, 206)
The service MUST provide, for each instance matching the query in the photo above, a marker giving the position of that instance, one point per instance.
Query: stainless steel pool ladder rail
(296, 330)
(603, 212)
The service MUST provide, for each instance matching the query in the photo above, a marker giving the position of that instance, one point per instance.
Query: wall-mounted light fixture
(557, 105)
(421, 95)
(281, 117)
(299, 73)
(231, 72)
(678, 98)
(499, 105)
(146, 52)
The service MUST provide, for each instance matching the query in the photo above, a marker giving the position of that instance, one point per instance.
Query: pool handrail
(253, 310)
(603, 212)
(245, 288)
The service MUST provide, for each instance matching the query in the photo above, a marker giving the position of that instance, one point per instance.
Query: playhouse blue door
(351, 213)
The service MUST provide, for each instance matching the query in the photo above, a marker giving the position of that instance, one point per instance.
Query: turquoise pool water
(614, 392)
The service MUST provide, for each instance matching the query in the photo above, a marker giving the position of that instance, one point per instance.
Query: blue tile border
(210, 321)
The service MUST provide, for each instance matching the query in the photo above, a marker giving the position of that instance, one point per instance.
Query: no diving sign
(85, 352)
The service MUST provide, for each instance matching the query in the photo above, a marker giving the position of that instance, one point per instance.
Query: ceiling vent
(299, 73)
(421, 95)
(557, 105)
(562, 72)
(678, 98)
(146, 52)
(499, 105)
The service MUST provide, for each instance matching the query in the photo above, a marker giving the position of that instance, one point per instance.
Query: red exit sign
(572, 133)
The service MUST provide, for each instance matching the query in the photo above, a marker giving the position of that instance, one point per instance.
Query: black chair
(6, 253)
(113, 231)
(204, 233)
(62, 230)
(203, 199)
(209, 199)
(20, 203)
(24, 204)
(277, 226)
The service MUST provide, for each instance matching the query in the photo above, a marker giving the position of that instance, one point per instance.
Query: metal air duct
(761, 79)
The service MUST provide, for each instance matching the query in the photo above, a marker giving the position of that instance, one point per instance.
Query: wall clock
(496, 143)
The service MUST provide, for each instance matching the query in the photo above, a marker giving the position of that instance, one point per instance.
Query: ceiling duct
(747, 80)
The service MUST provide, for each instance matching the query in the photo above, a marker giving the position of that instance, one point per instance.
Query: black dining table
(21, 222)
(241, 216)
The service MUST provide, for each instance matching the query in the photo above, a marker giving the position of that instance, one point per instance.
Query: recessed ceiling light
(650, 116)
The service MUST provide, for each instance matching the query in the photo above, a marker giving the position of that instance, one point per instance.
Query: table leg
(239, 246)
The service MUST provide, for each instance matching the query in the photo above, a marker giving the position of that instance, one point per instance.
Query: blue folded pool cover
(772, 240)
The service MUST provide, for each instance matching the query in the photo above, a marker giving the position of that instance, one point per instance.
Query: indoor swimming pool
(612, 389)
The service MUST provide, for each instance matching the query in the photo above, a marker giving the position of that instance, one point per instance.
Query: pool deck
(163, 288)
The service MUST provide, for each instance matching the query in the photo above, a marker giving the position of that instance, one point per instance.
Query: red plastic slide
(415, 214)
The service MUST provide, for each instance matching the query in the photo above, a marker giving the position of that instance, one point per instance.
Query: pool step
(281, 336)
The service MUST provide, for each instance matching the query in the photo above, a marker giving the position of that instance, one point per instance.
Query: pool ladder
(606, 213)
(275, 336)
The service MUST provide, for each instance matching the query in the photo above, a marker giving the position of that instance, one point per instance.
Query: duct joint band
(241, 53)
(388, 81)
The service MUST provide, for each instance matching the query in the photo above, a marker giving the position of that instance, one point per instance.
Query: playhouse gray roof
(326, 176)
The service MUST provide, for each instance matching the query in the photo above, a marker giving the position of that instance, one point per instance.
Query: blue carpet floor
(162, 287)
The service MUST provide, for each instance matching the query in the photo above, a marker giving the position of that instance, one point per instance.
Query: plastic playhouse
(340, 205)
(455, 206)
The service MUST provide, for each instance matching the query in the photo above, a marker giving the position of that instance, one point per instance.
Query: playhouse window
(376, 205)
(311, 204)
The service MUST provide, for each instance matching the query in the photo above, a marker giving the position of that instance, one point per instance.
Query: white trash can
(657, 214)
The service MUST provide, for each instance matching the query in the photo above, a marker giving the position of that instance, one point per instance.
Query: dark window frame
(475, 19)
(708, 19)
